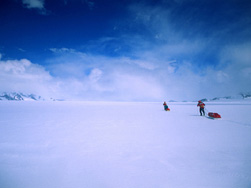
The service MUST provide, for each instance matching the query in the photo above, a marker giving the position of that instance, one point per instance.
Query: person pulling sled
(202, 108)
(166, 107)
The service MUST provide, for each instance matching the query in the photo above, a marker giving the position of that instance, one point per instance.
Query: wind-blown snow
(123, 145)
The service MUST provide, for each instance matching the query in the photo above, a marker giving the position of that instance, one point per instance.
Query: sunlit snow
(124, 145)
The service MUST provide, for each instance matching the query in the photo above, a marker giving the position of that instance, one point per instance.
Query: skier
(202, 106)
(165, 106)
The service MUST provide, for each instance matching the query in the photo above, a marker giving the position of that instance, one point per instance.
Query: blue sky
(126, 50)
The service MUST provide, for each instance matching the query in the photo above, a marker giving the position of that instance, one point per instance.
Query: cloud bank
(24, 76)
(74, 75)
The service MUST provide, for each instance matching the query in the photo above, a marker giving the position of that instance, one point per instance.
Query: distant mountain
(221, 98)
(244, 97)
(241, 96)
(20, 97)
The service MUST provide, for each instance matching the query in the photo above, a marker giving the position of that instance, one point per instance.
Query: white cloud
(138, 87)
(62, 50)
(203, 66)
(236, 63)
(149, 77)
(107, 79)
(36, 4)
(120, 78)
(95, 75)
(39, 4)
(22, 68)
(237, 54)
(24, 76)
(75, 75)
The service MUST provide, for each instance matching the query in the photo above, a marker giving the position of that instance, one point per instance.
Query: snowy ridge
(240, 98)
(20, 97)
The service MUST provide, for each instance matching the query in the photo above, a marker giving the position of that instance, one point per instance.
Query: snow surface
(123, 145)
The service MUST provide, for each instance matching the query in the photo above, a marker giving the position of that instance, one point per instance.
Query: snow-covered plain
(124, 145)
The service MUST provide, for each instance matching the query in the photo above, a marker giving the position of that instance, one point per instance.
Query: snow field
(126, 145)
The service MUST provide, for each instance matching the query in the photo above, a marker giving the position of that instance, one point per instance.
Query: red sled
(214, 115)
(167, 109)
